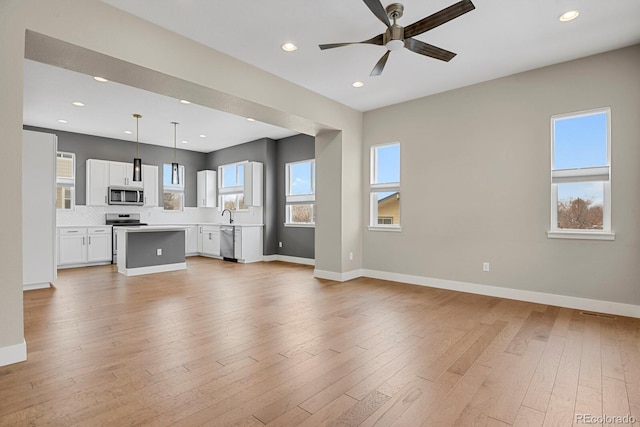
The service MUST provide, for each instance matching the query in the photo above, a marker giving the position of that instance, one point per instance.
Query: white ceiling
(498, 38)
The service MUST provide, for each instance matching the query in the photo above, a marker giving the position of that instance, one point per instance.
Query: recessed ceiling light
(128, 132)
(184, 101)
(289, 47)
(78, 104)
(569, 16)
(250, 119)
(203, 136)
(100, 79)
(62, 121)
(357, 84)
(185, 142)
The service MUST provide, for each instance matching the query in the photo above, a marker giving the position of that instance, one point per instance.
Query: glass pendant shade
(175, 176)
(137, 162)
(137, 169)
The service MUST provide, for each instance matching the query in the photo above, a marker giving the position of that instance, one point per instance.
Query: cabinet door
(99, 247)
(150, 185)
(200, 240)
(215, 243)
(253, 184)
(208, 243)
(191, 240)
(97, 182)
(118, 173)
(207, 189)
(72, 248)
(237, 243)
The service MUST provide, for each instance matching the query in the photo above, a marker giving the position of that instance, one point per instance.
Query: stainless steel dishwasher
(227, 244)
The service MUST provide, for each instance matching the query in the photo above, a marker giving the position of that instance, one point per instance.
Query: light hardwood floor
(267, 344)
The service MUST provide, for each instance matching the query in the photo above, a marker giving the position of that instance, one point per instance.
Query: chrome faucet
(230, 215)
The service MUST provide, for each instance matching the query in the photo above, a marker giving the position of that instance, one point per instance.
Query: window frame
(600, 173)
(66, 182)
(300, 199)
(232, 190)
(173, 189)
(376, 187)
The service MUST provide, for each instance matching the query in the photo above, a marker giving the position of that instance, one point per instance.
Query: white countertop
(204, 224)
(152, 228)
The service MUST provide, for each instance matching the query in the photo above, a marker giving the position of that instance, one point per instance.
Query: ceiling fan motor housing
(394, 36)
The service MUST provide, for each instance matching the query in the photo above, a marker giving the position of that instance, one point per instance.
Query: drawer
(99, 230)
(70, 230)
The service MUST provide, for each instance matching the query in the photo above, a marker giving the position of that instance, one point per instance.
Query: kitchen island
(150, 249)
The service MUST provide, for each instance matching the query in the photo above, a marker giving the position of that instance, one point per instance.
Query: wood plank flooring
(223, 344)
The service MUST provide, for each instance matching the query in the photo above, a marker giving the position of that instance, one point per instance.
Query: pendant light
(137, 162)
(175, 176)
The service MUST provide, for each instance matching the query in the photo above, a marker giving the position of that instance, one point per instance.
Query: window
(581, 174)
(385, 187)
(300, 193)
(172, 194)
(231, 186)
(65, 180)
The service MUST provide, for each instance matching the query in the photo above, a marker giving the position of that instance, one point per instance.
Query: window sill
(581, 235)
(387, 228)
(286, 224)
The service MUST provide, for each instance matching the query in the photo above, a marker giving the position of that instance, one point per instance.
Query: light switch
(159, 251)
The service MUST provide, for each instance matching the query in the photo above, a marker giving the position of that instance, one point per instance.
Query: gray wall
(141, 248)
(264, 151)
(476, 182)
(296, 241)
(96, 147)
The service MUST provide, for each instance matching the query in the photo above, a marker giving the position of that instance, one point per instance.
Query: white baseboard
(338, 277)
(152, 269)
(291, 259)
(13, 354)
(578, 303)
(34, 286)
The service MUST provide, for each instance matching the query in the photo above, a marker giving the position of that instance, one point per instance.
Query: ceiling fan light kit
(396, 36)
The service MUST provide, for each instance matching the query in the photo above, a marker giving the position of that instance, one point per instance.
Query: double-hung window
(172, 194)
(65, 180)
(384, 189)
(231, 186)
(581, 175)
(301, 193)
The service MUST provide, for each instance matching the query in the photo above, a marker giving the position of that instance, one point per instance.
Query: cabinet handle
(209, 236)
(83, 241)
(72, 231)
(105, 199)
(89, 239)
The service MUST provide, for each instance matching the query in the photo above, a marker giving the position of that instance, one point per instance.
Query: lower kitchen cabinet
(192, 240)
(211, 240)
(83, 246)
(248, 243)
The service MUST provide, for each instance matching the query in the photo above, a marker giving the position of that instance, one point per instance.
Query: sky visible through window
(388, 160)
(581, 142)
(166, 176)
(301, 179)
(233, 176)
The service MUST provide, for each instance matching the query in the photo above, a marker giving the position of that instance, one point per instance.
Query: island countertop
(151, 228)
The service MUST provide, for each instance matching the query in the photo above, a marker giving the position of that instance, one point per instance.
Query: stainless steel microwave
(126, 196)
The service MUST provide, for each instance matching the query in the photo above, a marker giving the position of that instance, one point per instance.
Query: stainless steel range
(120, 220)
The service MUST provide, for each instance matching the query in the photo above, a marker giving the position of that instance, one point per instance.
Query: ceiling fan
(396, 36)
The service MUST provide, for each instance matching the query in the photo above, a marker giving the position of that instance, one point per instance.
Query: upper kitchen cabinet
(253, 184)
(97, 182)
(121, 175)
(150, 185)
(207, 189)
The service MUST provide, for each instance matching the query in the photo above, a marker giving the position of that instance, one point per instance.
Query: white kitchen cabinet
(79, 246)
(97, 182)
(99, 244)
(72, 244)
(191, 240)
(207, 189)
(253, 184)
(121, 175)
(211, 240)
(248, 243)
(150, 185)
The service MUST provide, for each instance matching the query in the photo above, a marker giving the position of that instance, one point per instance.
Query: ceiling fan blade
(428, 50)
(375, 40)
(377, 70)
(439, 18)
(376, 7)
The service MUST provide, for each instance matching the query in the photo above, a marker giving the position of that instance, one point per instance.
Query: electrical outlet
(280, 244)
(350, 256)
(485, 266)
(159, 251)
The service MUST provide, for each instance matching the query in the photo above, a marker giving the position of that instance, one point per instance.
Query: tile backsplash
(95, 215)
